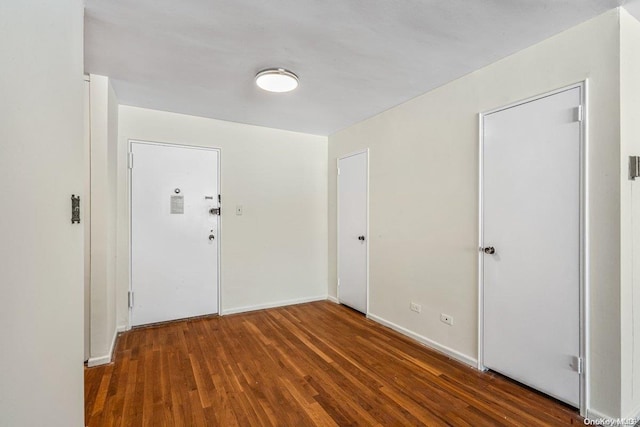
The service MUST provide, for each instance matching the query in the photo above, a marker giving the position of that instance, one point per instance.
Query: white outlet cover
(445, 318)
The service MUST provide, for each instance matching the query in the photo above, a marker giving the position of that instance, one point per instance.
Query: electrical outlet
(445, 318)
(415, 307)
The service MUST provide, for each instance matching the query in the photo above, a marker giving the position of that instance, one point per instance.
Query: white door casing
(86, 205)
(353, 230)
(531, 215)
(174, 236)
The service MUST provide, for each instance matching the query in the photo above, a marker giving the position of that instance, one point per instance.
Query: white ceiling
(355, 58)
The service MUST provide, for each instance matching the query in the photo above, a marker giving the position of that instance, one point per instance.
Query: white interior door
(174, 236)
(531, 217)
(352, 231)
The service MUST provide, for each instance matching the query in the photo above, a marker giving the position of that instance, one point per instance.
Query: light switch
(238, 210)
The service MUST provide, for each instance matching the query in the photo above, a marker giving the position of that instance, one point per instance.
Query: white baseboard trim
(121, 328)
(635, 414)
(454, 354)
(631, 419)
(333, 299)
(272, 305)
(632, 415)
(592, 414)
(103, 360)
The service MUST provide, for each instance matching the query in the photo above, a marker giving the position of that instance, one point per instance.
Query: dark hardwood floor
(309, 364)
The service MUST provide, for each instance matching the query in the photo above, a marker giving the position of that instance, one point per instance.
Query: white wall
(41, 260)
(424, 195)
(276, 252)
(104, 145)
(630, 213)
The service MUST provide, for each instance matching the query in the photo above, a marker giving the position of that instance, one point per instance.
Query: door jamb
(219, 219)
(366, 152)
(584, 236)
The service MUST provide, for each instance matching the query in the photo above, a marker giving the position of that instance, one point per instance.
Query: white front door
(352, 231)
(174, 235)
(531, 238)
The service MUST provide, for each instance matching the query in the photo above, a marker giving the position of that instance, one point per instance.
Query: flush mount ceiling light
(276, 80)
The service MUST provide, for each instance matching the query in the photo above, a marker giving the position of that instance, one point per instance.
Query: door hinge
(634, 167)
(578, 364)
(219, 199)
(578, 114)
(130, 160)
(130, 299)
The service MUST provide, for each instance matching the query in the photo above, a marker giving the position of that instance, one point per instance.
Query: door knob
(361, 238)
(490, 250)
(211, 237)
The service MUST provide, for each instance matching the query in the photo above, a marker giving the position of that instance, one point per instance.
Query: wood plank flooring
(310, 364)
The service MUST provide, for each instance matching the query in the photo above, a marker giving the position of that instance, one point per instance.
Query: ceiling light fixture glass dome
(276, 80)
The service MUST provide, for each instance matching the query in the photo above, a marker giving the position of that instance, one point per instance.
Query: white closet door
(531, 218)
(352, 231)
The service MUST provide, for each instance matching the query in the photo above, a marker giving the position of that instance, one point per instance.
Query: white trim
(130, 209)
(338, 229)
(103, 360)
(584, 235)
(355, 153)
(173, 144)
(592, 414)
(595, 415)
(635, 413)
(454, 354)
(535, 98)
(345, 156)
(219, 230)
(585, 280)
(480, 364)
(97, 361)
(219, 225)
(272, 305)
(368, 231)
(333, 299)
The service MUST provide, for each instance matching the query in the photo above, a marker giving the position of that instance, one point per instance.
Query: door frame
(130, 143)
(584, 235)
(354, 153)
